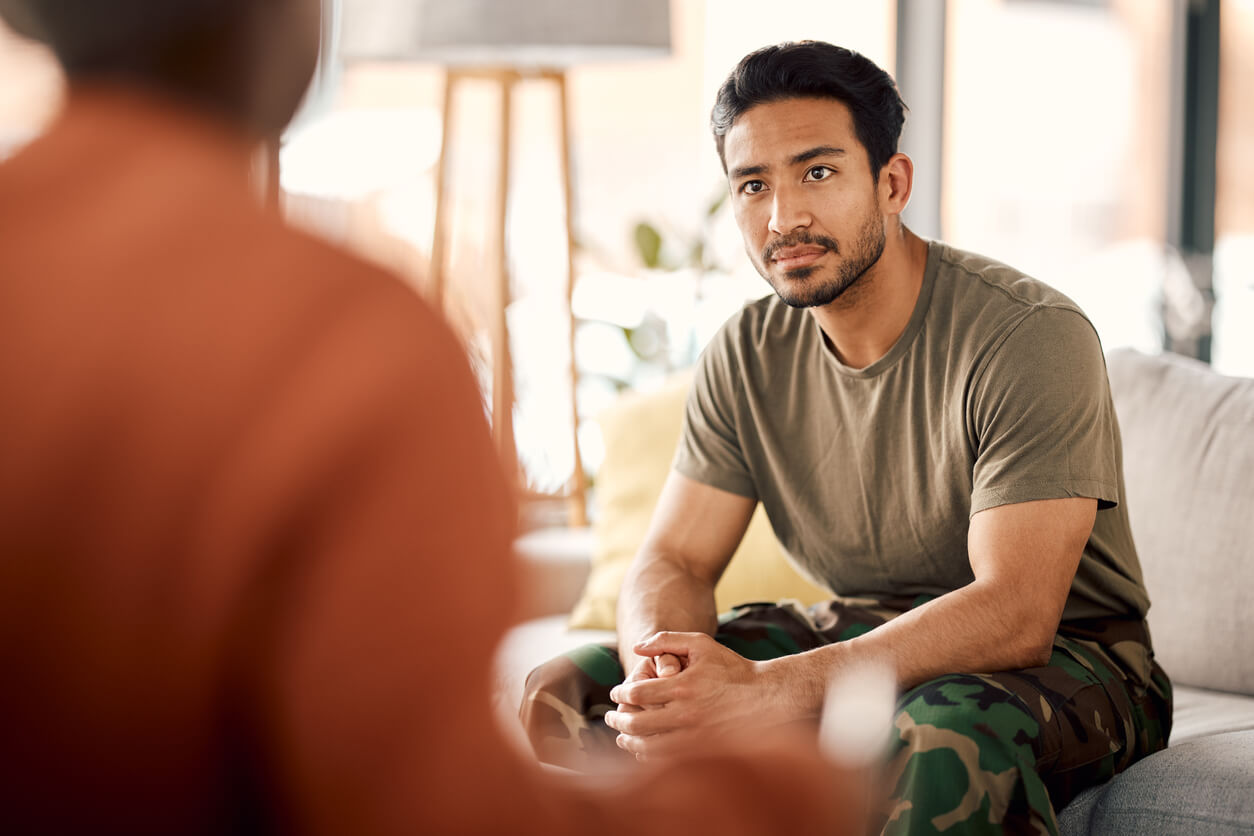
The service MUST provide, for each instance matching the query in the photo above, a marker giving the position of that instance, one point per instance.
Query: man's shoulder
(998, 320)
(763, 325)
(755, 343)
(979, 302)
(323, 296)
(968, 277)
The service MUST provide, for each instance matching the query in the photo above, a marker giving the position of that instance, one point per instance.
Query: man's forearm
(978, 628)
(659, 594)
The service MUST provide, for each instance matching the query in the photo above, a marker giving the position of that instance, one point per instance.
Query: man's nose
(788, 212)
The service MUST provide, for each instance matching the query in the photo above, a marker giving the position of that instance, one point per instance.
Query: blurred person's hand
(790, 783)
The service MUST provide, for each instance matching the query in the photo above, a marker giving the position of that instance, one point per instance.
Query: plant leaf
(648, 244)
(717, 204)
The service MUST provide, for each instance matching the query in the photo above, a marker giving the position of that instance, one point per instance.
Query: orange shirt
(248, 505)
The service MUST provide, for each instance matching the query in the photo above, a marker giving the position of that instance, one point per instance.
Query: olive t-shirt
(995, 393)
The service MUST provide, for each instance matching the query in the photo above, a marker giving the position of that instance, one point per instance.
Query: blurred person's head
(249, 61)
(814, 70)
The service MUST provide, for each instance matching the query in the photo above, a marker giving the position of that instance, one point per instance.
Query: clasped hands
(685, 689)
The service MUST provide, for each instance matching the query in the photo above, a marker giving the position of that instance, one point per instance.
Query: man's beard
(796, 292)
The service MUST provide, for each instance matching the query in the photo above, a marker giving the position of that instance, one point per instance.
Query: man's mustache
(796, 239)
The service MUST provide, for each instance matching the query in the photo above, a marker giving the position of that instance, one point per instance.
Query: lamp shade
(509, 33)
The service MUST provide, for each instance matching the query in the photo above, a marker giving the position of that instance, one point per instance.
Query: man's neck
(129, 120)
(864, 323)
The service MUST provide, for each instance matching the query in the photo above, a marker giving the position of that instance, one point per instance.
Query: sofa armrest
(555, 566)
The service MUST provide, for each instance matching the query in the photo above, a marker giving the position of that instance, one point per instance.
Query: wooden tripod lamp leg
(439, 234)
(577, 512)
(502, 363)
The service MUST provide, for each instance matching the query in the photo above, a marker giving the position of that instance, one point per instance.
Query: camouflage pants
(970, 753)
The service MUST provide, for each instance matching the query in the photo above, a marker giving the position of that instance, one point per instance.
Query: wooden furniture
(503, 393)
(504, 42)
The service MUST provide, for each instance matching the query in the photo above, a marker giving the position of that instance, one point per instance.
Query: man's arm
(1023, 557)
(670, 585)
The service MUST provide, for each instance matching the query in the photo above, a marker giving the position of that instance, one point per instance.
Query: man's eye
(752, 187)
(819, 172)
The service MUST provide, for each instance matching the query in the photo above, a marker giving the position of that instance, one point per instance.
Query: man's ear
(895, 182)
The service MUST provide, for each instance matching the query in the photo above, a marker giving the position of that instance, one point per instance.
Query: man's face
(804, 198)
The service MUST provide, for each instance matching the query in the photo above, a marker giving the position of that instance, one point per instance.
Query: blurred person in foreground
(247, 497)
(933, 438)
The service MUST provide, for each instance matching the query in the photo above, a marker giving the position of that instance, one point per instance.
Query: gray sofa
(1188, 457)
(1188, 437)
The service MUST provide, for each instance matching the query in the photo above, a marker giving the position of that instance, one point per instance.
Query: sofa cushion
(1188, 454)
(1198, 712)
(1203, 786)
(641, 431)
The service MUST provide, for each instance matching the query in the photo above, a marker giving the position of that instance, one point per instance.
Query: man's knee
(969, 706)
(564, 703)
(962, 754)
(584, 675)
(968, 722)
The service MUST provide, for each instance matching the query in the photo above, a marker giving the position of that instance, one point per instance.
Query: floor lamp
(504, 42)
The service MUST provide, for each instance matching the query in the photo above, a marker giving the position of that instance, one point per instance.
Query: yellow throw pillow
(641, 431)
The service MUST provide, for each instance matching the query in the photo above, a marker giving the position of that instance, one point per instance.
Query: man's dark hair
(182, 45)
(814, 69)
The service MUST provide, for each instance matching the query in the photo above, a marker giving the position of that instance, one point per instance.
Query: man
(932, 436)
(248, 497)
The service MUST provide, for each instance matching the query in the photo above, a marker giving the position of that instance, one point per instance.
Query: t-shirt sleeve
(1041, 416)
(710, 449)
